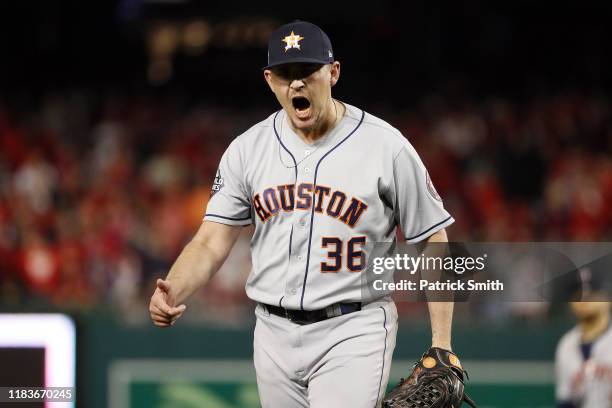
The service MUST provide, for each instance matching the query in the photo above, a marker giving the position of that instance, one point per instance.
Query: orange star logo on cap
(292, 41)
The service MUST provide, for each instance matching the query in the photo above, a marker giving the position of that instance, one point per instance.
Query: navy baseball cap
(299, 41)
(592, 280)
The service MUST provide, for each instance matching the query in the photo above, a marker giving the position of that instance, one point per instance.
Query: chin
(302, 112)
(304, 125)
(587, 314)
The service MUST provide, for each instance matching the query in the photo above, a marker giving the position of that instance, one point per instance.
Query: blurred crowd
(99, 194)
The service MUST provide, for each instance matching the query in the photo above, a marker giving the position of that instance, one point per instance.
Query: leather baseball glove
(435, 382)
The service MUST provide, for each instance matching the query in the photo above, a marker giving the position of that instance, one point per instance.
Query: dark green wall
(101, 339)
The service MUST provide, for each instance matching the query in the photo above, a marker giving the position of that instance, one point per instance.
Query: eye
(282, 72)
(290, 72)
(309, 69)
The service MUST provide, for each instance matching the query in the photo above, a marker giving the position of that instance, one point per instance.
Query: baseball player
(319, 180)
(583, 360)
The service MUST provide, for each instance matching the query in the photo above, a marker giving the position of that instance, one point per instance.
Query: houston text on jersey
(288, 197)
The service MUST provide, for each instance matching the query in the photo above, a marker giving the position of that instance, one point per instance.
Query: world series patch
(432, 189)
(217, 184)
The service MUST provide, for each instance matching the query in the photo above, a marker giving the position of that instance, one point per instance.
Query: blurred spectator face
(589, 308)
(304, 91)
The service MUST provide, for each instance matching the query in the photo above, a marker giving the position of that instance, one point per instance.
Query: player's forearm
(440, 312)
(193, 269)
(201, 258)
(441, 316)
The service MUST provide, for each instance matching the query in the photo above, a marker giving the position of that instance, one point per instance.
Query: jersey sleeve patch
(431, 189)
(217, 183)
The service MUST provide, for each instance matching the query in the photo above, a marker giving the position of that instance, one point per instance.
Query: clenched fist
(162, 307)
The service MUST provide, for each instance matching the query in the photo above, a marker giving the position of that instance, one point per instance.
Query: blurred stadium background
(114, 114)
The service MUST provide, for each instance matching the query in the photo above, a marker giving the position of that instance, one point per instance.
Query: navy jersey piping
(285, 147)
(314, 184)
(382, 370)
(280, 302)
(228, 218)
(429, 229)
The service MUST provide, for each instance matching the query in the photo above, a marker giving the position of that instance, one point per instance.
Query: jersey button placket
(301, 223)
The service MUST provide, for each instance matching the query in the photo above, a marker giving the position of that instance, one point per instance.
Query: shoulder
(606, 338)
(252, 139)
(252, 135)
(376, 128)
(375, 125)
(569, 343)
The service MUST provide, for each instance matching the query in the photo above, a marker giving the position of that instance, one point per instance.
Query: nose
(297, 84)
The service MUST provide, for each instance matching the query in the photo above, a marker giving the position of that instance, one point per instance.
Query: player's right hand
(162, 307)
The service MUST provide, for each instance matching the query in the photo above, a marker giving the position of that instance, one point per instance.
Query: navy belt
(312, 316)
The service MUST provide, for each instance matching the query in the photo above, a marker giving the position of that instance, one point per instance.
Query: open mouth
(301, 105)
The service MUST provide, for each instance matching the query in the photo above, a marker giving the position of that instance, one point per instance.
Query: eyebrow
(290, 73)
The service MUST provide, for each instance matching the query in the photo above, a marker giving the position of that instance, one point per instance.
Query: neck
(593, 327)
(329, 118)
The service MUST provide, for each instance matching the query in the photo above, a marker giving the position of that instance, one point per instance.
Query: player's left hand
(435, 382)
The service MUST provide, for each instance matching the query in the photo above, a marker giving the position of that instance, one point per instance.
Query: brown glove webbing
(436, 382)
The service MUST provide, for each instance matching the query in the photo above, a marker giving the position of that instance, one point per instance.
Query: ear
(268, 78)
(335, 73)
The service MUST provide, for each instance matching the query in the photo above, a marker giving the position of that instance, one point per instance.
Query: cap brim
(298, 61)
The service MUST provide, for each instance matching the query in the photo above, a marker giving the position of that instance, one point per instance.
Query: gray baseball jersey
(585, 384)
(316, 206)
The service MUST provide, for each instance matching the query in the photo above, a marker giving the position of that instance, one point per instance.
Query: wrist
(444, 345)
